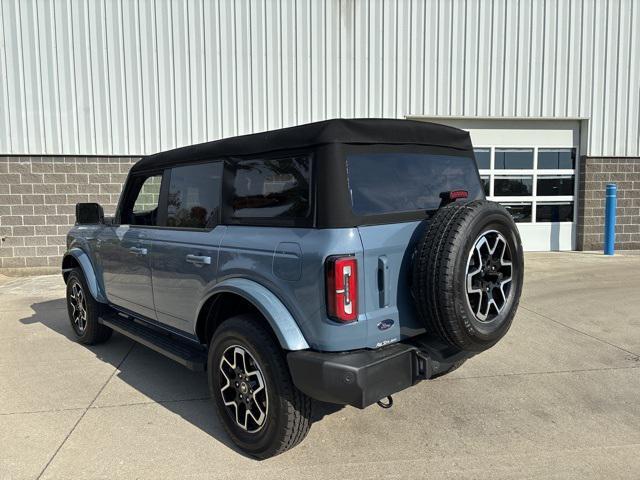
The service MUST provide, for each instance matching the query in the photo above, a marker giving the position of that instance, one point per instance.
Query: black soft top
(338, 131)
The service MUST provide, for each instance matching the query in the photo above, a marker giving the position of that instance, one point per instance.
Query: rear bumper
(362, 377)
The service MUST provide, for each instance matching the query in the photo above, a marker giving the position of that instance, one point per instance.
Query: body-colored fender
(89, 273)
(282, 322)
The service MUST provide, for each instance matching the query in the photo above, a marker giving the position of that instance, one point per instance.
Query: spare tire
(467, 274)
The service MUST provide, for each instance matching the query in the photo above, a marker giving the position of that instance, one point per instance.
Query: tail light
(342, 288)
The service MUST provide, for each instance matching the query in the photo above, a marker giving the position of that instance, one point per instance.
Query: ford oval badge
(385, 324)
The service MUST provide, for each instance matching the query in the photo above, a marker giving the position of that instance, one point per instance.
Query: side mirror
(89, 214)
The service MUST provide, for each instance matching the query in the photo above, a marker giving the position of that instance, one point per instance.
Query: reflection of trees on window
(194, 195)
(271, 187)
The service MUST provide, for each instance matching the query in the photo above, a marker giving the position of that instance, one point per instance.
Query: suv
(340, 261)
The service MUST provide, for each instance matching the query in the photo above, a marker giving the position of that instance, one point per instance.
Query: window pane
(194, 196)
(144, 210)
(521, 212)
(512, 186)
(147, 198)
(554, 212)
(555, 185)
(407, 182)
(274, 188)
(486, 180)
(483, 158)
(558, 158)
(512, 158)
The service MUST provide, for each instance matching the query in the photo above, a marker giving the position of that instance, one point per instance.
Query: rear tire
(468, 274)
(84, 311)
(244, 358)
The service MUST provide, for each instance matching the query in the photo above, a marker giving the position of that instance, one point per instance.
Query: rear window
(391, 182)
(272, 188)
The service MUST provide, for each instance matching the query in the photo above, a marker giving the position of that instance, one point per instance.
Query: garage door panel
(529, 166)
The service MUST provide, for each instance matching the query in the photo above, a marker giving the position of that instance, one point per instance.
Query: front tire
(84, 311)
(256, 401)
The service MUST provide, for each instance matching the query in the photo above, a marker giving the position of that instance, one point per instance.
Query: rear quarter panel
(290, 263)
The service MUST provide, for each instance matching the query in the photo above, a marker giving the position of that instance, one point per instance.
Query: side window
(271, 188)
(147, 199)
(194, 196)
(142, 206)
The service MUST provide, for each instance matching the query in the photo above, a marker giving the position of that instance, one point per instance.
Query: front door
(125, 248)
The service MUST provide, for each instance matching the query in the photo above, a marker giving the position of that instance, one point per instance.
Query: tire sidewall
(485, 334)
(262, 440)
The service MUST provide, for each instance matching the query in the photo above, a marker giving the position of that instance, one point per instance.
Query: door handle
(383, 281)
(138, 250)
(198, 260)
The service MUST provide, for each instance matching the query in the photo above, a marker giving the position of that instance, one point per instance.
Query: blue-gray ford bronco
(340, 261)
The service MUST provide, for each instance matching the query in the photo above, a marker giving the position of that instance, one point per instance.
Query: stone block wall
(38, 197)
(37, 203)
(595, 174)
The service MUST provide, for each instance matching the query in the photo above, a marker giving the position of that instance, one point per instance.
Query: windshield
(394, 182)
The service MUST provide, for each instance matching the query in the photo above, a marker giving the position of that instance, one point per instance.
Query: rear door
(385, 185)
(184, 253)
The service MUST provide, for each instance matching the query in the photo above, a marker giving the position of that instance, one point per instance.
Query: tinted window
(512, 158)
(560, 158)
(521, 212)
(194, 196)
(554, 212)
(271, 188)
(555, 185)
(512, 186)
(483, 158)
(406, 182)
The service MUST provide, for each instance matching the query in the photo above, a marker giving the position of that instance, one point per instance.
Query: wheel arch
(78, 258)
(239, 295)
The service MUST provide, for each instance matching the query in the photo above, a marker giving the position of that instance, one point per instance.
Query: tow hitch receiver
(424, 366)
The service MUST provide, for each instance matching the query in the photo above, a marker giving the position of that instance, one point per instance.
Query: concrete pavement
(557, 398)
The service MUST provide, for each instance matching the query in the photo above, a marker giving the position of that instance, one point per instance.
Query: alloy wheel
(243, 389)
(78, 304)
(489, 276)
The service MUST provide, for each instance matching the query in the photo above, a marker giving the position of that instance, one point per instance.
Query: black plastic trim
(187, 353)
(362, 377)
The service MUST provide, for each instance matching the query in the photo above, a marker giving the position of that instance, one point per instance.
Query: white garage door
(530, 166)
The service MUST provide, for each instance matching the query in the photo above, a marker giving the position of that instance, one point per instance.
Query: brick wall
(38, 197)
(37, 203)
(595, 174)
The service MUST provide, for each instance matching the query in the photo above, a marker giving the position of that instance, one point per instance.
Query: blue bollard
(610, 219)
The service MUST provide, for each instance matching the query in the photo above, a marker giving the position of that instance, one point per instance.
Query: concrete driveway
(559, 397)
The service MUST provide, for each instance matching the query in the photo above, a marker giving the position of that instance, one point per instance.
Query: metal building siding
(123, 77)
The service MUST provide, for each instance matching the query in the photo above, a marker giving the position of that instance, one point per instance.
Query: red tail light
(342, 288)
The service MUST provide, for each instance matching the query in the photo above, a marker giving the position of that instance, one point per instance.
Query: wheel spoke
(78, 304)
(243, 388)
(489, 271)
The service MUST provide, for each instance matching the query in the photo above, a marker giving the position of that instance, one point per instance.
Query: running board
(192, 356)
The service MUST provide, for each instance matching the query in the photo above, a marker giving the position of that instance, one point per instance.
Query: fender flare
(280, 319)
(89, 273)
